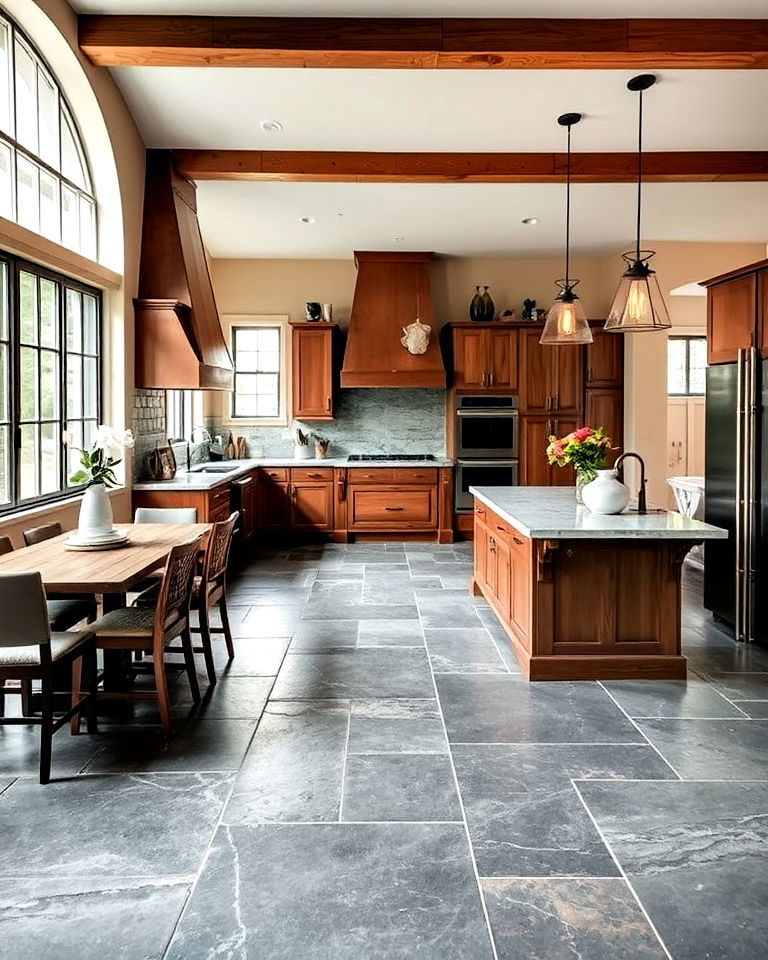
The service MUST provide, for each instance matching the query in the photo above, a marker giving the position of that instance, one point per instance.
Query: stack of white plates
(107, 541)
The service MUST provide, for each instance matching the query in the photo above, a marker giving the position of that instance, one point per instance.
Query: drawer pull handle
(500, 528)
(394, 508)
(315, 476)
(520, 542)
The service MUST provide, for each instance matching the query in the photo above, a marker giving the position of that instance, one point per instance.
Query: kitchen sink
(215, 468)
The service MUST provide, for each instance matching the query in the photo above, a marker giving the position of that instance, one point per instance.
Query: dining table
(110, 574)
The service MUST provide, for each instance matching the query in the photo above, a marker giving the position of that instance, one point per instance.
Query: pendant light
(566, 320)
(638, 304)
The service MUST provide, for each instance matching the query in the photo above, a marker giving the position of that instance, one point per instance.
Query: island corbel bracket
(678, 551)
(545, 550)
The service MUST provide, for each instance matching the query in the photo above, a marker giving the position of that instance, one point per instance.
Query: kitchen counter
(208, 481)
(552, 513)
(583, 596)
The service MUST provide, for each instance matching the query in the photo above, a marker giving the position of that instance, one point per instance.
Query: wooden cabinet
(245, 499)
(731, 317)
(762, 332)
(534, 434)
(273, 505)
(311, 506)
(392, 508)
(211, 505)
(605, 360)
(605, 408)
(485, 357)
(313, 370)
(552, 379)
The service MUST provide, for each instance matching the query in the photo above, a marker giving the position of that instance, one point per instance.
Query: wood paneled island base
(583, 597)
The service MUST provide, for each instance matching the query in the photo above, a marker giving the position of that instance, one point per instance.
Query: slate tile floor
(371, 778)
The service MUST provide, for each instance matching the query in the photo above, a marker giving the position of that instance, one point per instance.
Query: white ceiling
(264, 219)
(430, 8)
(443, 109)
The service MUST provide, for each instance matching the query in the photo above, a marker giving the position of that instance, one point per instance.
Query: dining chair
(208, 590)
(165, 515)
(66, 609)
(29, 650)
(148, 630)
(5, 545)
(38, 534)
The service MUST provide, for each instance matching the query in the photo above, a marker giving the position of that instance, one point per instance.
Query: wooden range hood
(392, 289)
(179, 342)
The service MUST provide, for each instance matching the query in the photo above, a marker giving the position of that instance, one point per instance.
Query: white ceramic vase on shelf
(302, 451)
(606, 494)
(96, 520)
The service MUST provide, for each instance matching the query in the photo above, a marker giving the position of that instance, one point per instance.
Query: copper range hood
(391, 291)
(179, 342)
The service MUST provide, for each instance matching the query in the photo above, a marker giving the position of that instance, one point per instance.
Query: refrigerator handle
(750, 469)
(739, 526)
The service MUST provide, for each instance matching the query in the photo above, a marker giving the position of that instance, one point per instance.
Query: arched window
(45, 184)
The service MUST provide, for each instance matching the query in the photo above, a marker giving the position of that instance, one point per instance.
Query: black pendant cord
(639, 169)
(568, 212)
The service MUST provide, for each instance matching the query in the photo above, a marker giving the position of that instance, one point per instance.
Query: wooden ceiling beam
(354, 167)
(118, 40)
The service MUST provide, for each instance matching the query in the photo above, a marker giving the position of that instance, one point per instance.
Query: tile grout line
(461, 803)
(645, 738)
(344, 762)
(615, 859)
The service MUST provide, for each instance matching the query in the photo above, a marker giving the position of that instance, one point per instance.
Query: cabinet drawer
(303, 474)
(219, 513)
(218, 497)
(415, 475)
(393, 508)
(278, 474)
(371, 475)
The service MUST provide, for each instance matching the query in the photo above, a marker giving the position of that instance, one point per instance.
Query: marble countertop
(197, 480)
(552, 513)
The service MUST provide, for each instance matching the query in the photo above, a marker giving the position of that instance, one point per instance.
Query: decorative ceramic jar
(606, 494)
(482, 307)
(96, 520)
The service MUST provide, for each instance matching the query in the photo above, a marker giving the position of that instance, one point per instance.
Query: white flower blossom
(112, 441)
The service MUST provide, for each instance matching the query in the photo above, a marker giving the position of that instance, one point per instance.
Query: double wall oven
(487, 444)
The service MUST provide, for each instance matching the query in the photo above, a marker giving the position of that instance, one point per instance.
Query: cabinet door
(393, 508)
(502, 352)
(481, 552)
(534, 435)
(502, 585)
(762, 280)
(520, 589)
(569, 379)
(470, 358)
(536, 379)
(564, 476)
(311, 506)
(312, 372)
(273, 506)
(731, 318)
(605, 408)
(605, 359)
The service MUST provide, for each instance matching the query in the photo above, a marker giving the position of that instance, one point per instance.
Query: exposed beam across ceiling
(423, 42)
(330, 166)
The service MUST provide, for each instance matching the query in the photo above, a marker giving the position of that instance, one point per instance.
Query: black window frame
(687, 338)
(235, 328)
(15, 267)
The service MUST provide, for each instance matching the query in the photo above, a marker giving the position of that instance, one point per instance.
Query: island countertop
(551, 513)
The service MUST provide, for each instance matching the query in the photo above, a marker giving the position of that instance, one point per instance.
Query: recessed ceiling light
(397, 239)
(529, 221)
(271, 126)
(308, 220)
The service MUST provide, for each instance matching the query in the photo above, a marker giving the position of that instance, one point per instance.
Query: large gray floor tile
(563, 919)
(756, 709)
(293, 770)
(336, 892)
(116, 917)
(271, 620)
(317, 636)
(380, 787)
(670, 698)
(148, 825)
(20, 751)
(384, 585)
(712, 749)
(390, 633)
(231, 698)
(508, 709)
(206, 744)
(742, 686)
(524, 816)
(463, 650)
(437, 611)
(326, 608)
(363, 673)
(254, 656)
(695, 853)
(396, 726)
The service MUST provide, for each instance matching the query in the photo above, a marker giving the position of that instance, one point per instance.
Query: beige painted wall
(107, 125)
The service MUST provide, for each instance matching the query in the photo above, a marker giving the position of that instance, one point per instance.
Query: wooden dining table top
(102, 571)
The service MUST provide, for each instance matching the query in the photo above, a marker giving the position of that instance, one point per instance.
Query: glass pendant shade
(638, 305)
(566, 321)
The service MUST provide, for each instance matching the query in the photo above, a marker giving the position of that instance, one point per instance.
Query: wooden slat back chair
(45, 532)
(5, 545)
(152, 630)
(211, 591)
(28, 651)
(65, 609)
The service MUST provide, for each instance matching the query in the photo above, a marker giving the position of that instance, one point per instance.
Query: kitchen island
(583, 596)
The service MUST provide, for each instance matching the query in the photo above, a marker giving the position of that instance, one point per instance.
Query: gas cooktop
(386, 457)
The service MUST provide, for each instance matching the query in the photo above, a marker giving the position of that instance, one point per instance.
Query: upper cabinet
(605, 359)
(552, 377)
(484, 357)
(314, 374)
(737, 312)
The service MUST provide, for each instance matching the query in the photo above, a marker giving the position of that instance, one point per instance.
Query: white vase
(96, 520)
(302, 452)
(605, 494)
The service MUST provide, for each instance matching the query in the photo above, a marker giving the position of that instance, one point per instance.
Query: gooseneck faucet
(641, 503)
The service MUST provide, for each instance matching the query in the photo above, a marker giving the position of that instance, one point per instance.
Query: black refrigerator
(736, 494)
